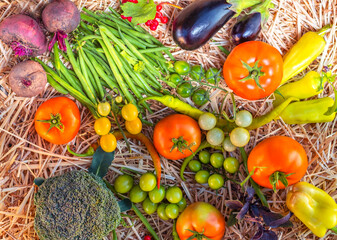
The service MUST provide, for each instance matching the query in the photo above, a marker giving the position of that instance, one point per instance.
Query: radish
(60, 17)
(24, 35)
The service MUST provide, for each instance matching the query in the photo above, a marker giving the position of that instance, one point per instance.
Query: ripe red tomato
(203, 218)
(174, 132)
(57, 120)
(251, 64)
(279, 155)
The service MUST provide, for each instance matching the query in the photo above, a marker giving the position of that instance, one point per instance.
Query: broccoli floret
(76, 205)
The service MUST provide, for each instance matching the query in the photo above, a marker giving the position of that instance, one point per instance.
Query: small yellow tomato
(134, 127)
(119, 99)
(129, 112)
(108, 142)
(102, 126)
(104, 108)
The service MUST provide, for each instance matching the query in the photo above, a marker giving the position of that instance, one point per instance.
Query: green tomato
(228, 145)
(231, 165)
(202, 176)
(244, 118)
(185, 90)
(157, 195)
(217, 160)
(215, 136)
(197, 72)
(207, 121)
(147, 182)
(175, 78)
(216, 181)
(123, 183)
(149, 207)
(161, 211)
(194, 165)
(172, 211)
(200, 97)
(182, 67)
(239, 137)
(213, 76)
(182, 204)
(137, 195)
(204, 157)
(174, 194)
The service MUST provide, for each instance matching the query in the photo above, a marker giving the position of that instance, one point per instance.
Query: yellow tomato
(129, 112)
(102, 126)
(134, 127)
(108, 142)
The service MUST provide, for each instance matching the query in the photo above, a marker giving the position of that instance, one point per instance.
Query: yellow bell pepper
(304, 52)
(314, 207)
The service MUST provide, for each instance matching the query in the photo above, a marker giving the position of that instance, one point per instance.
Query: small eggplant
(199, 21)
(247, 29)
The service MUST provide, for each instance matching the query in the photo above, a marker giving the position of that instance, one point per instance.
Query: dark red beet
(24, 35)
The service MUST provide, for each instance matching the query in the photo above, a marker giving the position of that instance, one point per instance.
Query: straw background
(25, 156)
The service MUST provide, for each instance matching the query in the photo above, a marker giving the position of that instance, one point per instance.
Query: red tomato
(174, 131)
(58, 120)
(203, 218)
(278, 155)
(264, 67)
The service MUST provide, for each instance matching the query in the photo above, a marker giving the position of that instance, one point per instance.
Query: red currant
(129, 19)
(147, 237)
(155, 23)
(123, 17)
(159, 15)
(124, 1)
(164, 20)
(153, 27)
(148, 23)
(159, 7)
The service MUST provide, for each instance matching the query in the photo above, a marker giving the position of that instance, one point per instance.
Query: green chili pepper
(311, 111)
(88, 153)
(309, 86)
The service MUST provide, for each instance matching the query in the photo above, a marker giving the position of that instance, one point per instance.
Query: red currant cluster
(153, 24)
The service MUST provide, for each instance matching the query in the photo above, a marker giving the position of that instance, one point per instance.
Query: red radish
(60, 17)
(24, 35)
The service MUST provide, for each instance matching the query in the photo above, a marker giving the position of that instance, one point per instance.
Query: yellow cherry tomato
(119, 99)
(134, 127)
(104, 108)
(102, 126)
(129, 112)
(108, 142)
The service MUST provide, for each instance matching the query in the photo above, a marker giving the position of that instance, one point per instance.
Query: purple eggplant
(199, 21)
(247, 29)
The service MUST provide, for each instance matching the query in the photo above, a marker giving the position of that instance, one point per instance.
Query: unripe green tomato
(157, 195)
(204, 157)
(216, 181)
(215, 136)
(172, 211)
(202, 176)
(148, 182)
(123, 183)
(207, 121)
(231, 165)
(194, 165)
(174, 194)
(149, 207)
(182, 204)
(137, 195)
(240, 137)
(161, 212)
(228, 145)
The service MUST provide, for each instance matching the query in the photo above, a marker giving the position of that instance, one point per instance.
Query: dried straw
(25, 156)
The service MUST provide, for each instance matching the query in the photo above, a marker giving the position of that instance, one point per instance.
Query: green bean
(151, 55)
(56, 85)
(102, 63)
(157, 49)
(152, 79)
(73, 81)
(88, 18)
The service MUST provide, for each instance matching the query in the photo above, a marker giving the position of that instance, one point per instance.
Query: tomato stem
(54, 121)
(197, 235)
(181, 144)
(254, 73)
(279, 176)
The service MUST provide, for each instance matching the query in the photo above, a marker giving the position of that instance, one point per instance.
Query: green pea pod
(311, 111)
(274, 114)
(309, 86)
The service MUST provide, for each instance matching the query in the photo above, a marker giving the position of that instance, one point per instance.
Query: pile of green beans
(108, 52)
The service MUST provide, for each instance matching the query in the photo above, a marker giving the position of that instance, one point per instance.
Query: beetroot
(60, 17)
(27, 79)
(24, 35)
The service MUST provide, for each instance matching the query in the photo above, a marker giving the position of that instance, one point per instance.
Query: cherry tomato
(202, 176)
(278, 155)
(212, 76)
(147, 182)
(203, 218)
(216, 181)
(204, 157)
(231, 165)
(57, 120)
(182, 204)
(134, 127)
(239, 137)
(161, 211)
(174, 194)
(185, 90)
(217, 160)
(215, 136)
(197, 73)
(149, 207)
(194, 165)
(228, 145)
(104, 108)
(102, 126)
(119, 99)
(244, 118)
(129, 112)
(123, 183)
(172, 211)
(172, 132)
(207, 121)
(182, 67)
(200, 97)
(175, 78)
(157, 195)
(147, 237)
(257, 62)
(137, 195)
(108, 142)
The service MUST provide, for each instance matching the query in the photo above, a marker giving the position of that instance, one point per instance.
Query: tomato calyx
(181, 144)
(54, 121)
(279, 176)
(254, 73)
(197, 235)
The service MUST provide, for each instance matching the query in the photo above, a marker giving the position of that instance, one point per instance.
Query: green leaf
(232, 220)
(125, 204)
(101, 162)
(39, 180)
(140, 12)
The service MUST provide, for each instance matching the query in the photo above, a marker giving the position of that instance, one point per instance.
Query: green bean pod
(56, 85)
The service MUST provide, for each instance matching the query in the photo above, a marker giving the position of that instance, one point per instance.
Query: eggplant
(199, 21)
(247, 29)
